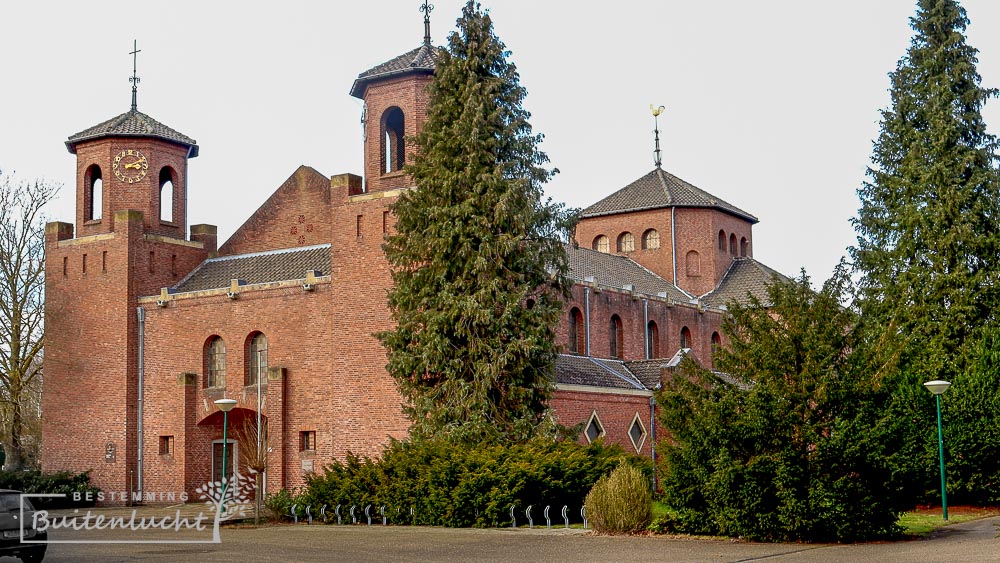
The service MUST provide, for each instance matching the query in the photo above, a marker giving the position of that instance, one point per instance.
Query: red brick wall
(84, 400)
(371, 409)
(143, 195)
(616, 413)
(335, 380)
(409, 94)
(297, 214)
(296, 324)
(657, 260)
(669, 319)
(90, 389)
(695, 229)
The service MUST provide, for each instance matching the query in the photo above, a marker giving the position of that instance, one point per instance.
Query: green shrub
(447, 484)
(620, 503)
(60, 482)
(279, 504)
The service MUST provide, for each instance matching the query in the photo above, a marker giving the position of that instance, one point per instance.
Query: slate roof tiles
(595, 372)
(659, 189)
(647, 371)
(745, 276)
(612, 374)
(422, 59)
(259, 267)
(612, 270)
(132, 123)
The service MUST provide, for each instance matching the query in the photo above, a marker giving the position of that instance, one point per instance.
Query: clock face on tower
(130, 165)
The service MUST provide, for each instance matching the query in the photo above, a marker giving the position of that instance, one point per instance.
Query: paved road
(970, 541)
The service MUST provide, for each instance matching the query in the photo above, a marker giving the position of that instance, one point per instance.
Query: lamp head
(225, 405)
(937, 386)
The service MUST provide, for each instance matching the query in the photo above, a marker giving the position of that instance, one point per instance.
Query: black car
(11, 539)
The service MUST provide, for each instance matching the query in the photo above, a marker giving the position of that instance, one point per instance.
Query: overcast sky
(771, 105)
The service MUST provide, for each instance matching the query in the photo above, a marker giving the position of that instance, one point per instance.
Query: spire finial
(135, 79)
(656, 130)
(427, 9)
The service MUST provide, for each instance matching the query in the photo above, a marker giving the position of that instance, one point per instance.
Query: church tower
(395, 95)
(130, 241)
(134, 162)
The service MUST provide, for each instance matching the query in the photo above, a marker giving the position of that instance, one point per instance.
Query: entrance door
(231, 461)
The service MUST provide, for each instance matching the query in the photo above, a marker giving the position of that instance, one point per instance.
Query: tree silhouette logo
(229, 499)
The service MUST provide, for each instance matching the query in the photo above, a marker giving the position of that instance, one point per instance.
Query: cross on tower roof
(427, 9)
(134, 79)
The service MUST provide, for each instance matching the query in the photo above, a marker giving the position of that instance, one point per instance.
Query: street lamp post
(225, 405)
(938, 387)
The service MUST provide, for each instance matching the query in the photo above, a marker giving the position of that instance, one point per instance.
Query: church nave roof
(258, 267)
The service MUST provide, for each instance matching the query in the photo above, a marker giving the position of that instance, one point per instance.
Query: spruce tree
(927, 251)
(478, 266)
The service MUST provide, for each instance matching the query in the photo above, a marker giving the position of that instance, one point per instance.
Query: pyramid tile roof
(132, 123)
(419, 60)
(659, 189)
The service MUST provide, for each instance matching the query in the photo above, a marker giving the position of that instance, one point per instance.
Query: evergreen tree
(478, 267)
(780, 449)
(971, 410)
(928, 253)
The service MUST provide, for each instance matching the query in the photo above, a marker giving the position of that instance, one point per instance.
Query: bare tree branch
(22, 298)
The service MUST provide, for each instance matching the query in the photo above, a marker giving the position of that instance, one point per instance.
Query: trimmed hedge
(459, 486)
(64, 482)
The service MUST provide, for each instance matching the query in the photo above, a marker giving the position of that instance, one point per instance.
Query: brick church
(150, 320)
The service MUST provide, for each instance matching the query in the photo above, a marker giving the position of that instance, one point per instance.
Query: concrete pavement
(969, 541)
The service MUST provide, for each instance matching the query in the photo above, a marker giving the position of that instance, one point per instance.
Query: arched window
(602, 244)
(577, 332)
(626, 242)
(693, 264)
(732, 244)
(685, 338)
(650, 240)
(215, 362)
(615, 337)
(744, 245)
(166, 195)
(95, 194)
(716, 343)
(256, 361)
(652, 341)
(393, 148)
(722, 241)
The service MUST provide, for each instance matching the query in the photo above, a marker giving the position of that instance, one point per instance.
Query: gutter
(141, 313)
(645, 326)
(652, 436)
(673, 244)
